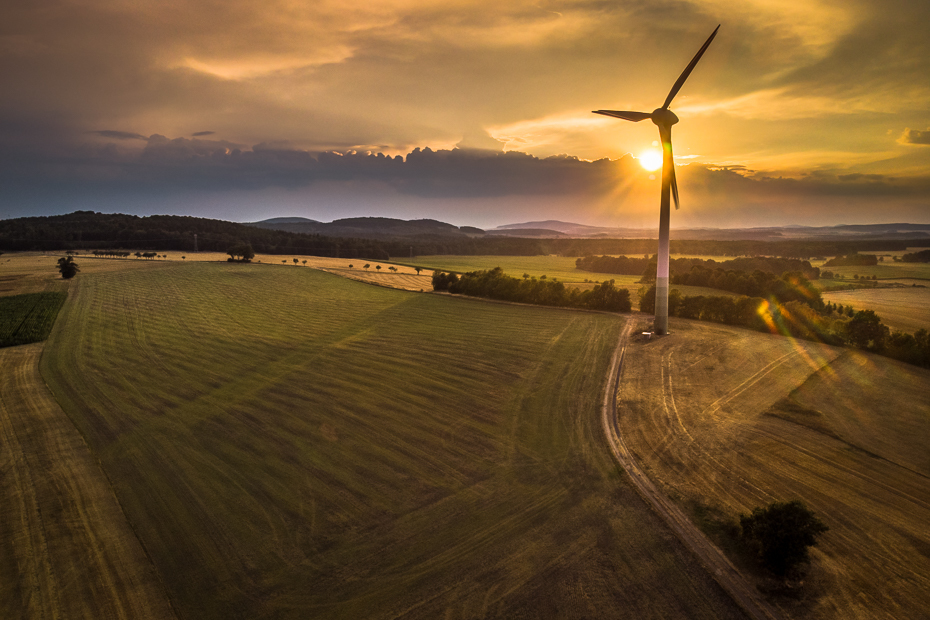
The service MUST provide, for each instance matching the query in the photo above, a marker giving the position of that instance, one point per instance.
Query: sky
(801, 112)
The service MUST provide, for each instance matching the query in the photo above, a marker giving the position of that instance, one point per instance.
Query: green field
(560, 267)
(29, 317)
(286, 443)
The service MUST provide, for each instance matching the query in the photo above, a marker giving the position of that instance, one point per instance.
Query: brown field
(67, 549)
(726, 420)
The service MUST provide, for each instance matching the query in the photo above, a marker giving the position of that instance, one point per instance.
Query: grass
(29, 317)
(287, 443)
(737, 420)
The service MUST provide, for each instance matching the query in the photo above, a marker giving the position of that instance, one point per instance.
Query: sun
(651, 159)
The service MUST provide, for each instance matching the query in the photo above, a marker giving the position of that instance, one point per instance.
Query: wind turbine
(664, 118)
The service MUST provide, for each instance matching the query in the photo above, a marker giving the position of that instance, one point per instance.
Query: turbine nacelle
(663, 116)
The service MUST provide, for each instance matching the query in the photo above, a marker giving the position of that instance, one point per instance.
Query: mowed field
(726, 420)
(902, 309)
(289, 444)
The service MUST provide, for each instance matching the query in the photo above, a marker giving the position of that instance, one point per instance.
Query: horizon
(807, 114)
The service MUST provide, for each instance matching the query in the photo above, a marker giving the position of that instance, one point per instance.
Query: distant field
(727, 420)
(560, 267)
(903, 309)
(290, 444)
(886, 270)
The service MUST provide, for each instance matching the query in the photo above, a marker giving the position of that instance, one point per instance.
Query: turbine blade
(672, 178)
(627, 116)
(684, 74)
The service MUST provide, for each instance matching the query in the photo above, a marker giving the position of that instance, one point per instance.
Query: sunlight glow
(651, 159)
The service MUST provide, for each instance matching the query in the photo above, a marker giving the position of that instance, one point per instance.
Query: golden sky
(800, 112)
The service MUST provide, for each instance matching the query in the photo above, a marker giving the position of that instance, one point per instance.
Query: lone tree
(67, 267)
(242, 253)
(780, 534)
(866, 331)
(418, 270)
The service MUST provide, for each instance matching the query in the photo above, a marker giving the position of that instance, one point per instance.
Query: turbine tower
(664, 118)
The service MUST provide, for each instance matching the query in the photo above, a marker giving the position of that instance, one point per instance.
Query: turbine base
(661, 321)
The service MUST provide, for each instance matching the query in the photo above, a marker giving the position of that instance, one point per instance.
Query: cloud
(914, 136)
(119, 135)
(202, 133)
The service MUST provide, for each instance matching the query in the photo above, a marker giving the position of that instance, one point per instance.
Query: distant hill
(369, 227)
(774, 233)
(284, 220)
(545, 233)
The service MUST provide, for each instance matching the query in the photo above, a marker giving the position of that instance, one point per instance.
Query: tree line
(495, 284)
(87, 230)
(922, 256)
(646, 266)
(791, 286)
(853, 260)
(827, 323)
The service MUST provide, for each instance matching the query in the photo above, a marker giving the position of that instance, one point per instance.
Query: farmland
(282, 442)
(903, 309)
(726, 420)
(287, 443)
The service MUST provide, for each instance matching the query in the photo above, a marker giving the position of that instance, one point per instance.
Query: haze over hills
(383, 227)
(367, 227)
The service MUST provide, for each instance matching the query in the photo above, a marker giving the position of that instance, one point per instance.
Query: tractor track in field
(712, 559)
(64, 535)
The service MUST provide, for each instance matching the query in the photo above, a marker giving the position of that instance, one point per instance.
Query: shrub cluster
(852, 260)
(495, 284)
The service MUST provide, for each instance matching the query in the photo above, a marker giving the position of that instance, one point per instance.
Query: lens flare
(651, 159)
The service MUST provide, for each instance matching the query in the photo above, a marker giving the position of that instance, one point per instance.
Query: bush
(780, 534)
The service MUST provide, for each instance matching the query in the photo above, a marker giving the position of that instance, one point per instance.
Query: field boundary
(711, 558)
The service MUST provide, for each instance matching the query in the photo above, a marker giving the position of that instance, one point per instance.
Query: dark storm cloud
(915, 136)
(182, 164)
(119, 135)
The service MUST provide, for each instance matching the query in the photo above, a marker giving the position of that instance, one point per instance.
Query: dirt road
(66, 549)
(723, 571)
